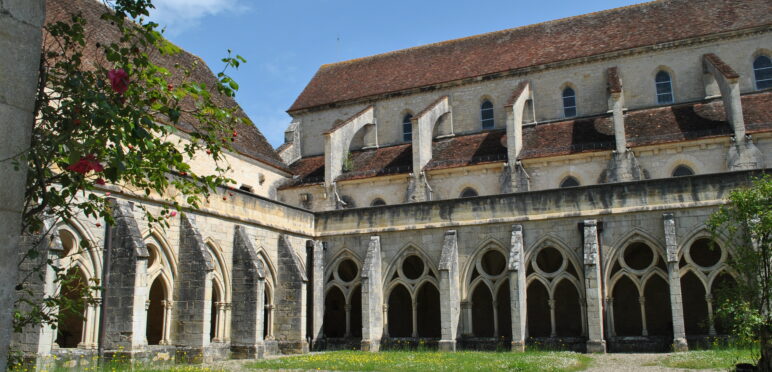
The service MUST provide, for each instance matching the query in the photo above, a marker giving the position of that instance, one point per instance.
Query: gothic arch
(636, 235)
(168, 253)
(410, 249)
(490, 243)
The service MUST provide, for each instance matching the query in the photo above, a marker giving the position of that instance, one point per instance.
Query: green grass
(430, 361)
(703, 359)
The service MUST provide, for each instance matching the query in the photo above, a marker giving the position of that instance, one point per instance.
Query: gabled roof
(564, 39)
(250, 142)
(659, 125)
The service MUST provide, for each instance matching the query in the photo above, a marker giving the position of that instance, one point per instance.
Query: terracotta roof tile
(478, 148)
(249, 142)
(565, 39)
(721, 66)
(568, 137)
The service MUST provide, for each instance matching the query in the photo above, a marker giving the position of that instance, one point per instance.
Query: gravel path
(618, 362)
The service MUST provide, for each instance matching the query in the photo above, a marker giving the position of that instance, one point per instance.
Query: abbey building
(547, 183)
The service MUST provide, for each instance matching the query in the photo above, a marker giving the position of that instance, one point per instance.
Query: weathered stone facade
(579, 233)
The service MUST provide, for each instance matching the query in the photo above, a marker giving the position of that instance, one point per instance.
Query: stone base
(189, 355)
(447, 345)
(518, 346)
(680, 344)
(596, 346)
(271, 347)
(293, 347)
(256, 351)
(372, 346)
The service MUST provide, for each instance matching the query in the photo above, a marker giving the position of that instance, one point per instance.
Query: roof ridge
(490, 33)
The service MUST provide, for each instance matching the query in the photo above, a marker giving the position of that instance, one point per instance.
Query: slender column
(466, 310)
(88, 319)
(495, 319)
(385, 320)
(97, 315)
(167, 305)
(415, 318)
(219, 332)
(348, 320)
(553, 331)
(610, 316)
(711, 324)
(583, 305)
(269, 315)
(470, 305)
(593, 291)
(674, 282)
(644, 329)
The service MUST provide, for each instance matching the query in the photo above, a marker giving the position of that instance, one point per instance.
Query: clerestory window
(407, 128)
(486, 114)
(762, 71)
(569, 102)
(664, 87)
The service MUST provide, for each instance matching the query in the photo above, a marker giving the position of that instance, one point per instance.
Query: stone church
(546, 184)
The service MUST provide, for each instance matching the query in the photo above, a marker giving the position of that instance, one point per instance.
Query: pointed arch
(409, 249)
(221, 268)
(489, 243)
(267, 263)
(170, 256)
(636, 235)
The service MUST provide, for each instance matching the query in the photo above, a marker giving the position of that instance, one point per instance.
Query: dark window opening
(486, 114)
(569, 102)
(407, 128)
(569, 181)
(682, 170)
(664, 87)
(762, 71)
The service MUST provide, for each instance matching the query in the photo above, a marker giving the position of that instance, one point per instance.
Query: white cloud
(179, 15)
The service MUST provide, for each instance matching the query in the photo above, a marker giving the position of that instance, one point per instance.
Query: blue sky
(286, 41)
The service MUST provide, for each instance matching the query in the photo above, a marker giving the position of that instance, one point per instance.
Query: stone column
(374, 311)
(37, 340)
(317, 281)
(248, 293)
(291, 300)
(347, 308)
(553, 330)
(450, 296)
(126, 290)
(466, 312)
(593, 291)
(644, 329)
(674, 281)
(517, 305)
(19, 64)
(192, 293)
(166, 335)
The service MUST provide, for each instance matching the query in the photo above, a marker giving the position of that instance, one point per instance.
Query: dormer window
(407, 128)
(664, 87)
(762, 71)
(569, 102)
(486, 114)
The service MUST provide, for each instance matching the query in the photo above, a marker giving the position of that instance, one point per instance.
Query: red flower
(169, 87)
(86, 164)
(119, 80)
(98, 224)
(173, 214)
(100, 181)
(107, 193)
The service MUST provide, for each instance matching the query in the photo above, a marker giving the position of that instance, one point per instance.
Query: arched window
(569, 181)
(762, 70)
(664, 87)
(407, 128)
(376, 202)
(468, 193)
(569, 102)
(347, 202)
(682, 170)
(486, 114)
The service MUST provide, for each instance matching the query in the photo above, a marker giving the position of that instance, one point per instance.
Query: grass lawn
(703, 359)
(430, 361)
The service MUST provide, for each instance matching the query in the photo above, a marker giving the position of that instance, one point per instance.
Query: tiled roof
(565, 39)
(250, 141)
(651, 126)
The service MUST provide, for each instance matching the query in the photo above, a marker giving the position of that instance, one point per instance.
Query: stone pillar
(290, 310)
(126, 287)
(593, 291)
(515, 109)
(19, 64)
(517, 304)
(374, 311)
(450, 292)
(674, 281)
(192, 293)
(317, 281)
(166, 335)
(248, 298)
(743, 154)
(36, 340)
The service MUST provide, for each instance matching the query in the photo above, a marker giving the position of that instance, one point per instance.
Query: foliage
(106, 113)
(747, 223)
(429, 361)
